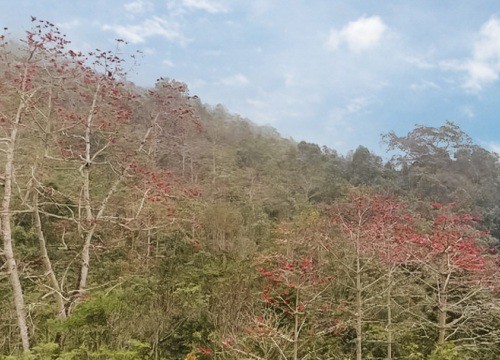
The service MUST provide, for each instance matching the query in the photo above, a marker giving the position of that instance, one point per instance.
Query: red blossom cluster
(204, 351)
(453, 240)
(45, 35)
(382, 227)
(161, 184)
(284, 277)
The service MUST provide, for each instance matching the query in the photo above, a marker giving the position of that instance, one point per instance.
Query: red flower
(436, 205)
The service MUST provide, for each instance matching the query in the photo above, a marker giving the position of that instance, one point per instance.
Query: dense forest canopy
(143, 224)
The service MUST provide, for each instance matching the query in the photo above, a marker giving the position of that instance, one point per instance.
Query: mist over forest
(142, 223)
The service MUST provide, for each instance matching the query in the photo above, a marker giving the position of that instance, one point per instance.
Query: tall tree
(371, 248)
(24, 88)
(365, 168)
(443, 164)
(456, 269)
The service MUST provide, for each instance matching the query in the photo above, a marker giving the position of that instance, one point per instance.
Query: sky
(335, 73)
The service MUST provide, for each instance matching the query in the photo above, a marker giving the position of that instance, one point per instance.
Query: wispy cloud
(255, 102)
(235, 80)
(359, 35)
(205, 5)
(260, 111)
(68, 25)
(357, 105)
(139, 6)
(468, 112)
(479, 75)
(155, 26)
(424, 85)
(289, 78)
(483, 67)
(170, 26)
(342, 126)
(168, 63)
(339, 115)
(271, 107)
(419, 62)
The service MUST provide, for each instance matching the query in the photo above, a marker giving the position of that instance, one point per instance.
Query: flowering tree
(74, 111)
(26, 88)
(457, 268)
(440, 251)
(371, 248)
(297, 311)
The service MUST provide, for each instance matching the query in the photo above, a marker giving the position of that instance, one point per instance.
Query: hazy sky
(337, 73)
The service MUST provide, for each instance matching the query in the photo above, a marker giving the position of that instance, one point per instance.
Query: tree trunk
(389, 315)
(442, 308)
(359, 315)
(93, 220)
(192, 170)
(16, 288)
(57, 291)
(296, 328)
(39, 163)
(89, 217)
(90, 233)
(7, 232)
(214, 168)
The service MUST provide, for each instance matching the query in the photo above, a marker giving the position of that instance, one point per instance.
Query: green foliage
(365, 167)
(91, 324)
(447, 351)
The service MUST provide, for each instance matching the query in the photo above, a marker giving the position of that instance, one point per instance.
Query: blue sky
(337, 73)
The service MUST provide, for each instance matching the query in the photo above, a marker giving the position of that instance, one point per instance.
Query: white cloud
(339, 115)
(468, 112)
(260, 7)
(268, 106)
(154, 26)
(418, 62)
(68, 25)
(169, 26)
(451, 65)
(213, 53)
(488, 46)
(480, 74)
(289, 79)
(357, 105)
(255, 102)
(360, 35)
(168, 63)
(346, 125)
(424, 85)
(149, 51)
(483, 67)
(256, 109)
(206, 5)
(236, 80)
(138, 6)
(334, 40)
(197, 84)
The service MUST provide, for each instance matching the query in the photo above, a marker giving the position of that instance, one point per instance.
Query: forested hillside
(143, 224)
